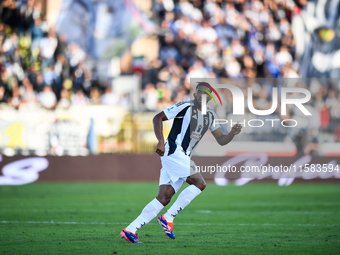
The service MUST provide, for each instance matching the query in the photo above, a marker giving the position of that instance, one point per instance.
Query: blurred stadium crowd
(197, 39)
(211, 39)
(201, 39)
(38, 66)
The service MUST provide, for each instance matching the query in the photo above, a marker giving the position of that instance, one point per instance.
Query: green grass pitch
(86, 218)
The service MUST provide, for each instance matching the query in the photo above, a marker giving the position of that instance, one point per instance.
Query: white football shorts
(175, 168)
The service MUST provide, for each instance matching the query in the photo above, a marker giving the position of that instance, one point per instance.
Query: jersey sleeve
(175, 109)
(213, 126)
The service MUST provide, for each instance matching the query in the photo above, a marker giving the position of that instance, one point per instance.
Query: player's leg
(197, 180)
(165, 193)
(152, 209)
(197, 185)
(168, 226)
(149, 212)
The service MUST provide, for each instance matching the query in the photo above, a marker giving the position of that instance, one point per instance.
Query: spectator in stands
(109, 97)
(313, 146)
(165, 99)
(47, 48)
(95, 96)
(64, 101)
(10, 44)
(150, 97)
(62, 45)
(47, 98)
(38, 82)
(29, 96)
(37, 35)
(15, 100)
(62, 69)
(50, 76)
(3, 95)
(79, 98)
(172, 74)
(26, 13)
(9, 13)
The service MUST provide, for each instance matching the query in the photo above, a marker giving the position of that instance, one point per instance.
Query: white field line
(271, 212)
(181, 224)
(189, 211)
(139, 202)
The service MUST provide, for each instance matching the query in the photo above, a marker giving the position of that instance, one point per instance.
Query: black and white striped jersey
(189, 126)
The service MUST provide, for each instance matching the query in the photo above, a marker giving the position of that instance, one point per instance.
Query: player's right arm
(177, 110)
(158, 129)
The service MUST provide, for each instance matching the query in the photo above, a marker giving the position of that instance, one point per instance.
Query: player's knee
(164, 200)
(201, 185)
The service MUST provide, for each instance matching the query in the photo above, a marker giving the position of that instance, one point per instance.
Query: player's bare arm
(158, 129)
(223, 139)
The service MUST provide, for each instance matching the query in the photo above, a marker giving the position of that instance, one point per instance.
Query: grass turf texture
(74, 218)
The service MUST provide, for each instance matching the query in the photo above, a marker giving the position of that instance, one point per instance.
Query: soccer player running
(188, 128)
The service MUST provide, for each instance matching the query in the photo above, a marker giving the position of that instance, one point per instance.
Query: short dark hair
(203, 83)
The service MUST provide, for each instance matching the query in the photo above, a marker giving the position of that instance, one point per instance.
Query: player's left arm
(223, 139)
